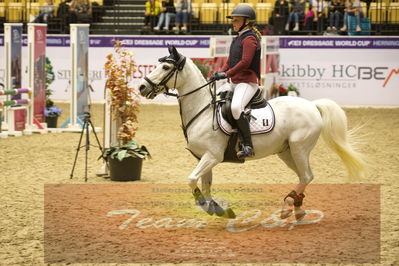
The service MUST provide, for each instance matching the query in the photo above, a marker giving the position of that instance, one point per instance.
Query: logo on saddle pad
(261, 121)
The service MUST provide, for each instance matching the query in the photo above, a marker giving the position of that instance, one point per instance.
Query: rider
(243, 70)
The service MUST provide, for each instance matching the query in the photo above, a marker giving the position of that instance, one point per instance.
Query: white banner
(348, 70)
(362, 71)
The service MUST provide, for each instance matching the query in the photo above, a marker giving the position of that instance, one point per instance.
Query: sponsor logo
(393, 71)
(16, 36)
(337, 72)
(82, 36)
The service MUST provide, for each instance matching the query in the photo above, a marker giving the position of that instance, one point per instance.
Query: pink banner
(39, 85)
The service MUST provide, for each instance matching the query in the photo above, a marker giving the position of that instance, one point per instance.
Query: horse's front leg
(203, 169)
(206, 185)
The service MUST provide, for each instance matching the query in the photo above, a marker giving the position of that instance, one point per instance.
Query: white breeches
(242, 94)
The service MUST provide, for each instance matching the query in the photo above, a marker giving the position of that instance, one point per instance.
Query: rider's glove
(218, 75)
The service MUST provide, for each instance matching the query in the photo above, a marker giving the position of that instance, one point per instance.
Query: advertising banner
(146, 55)
(14, 79)
(82, 70)
(39, 79)
(362, 71)
(353, 70)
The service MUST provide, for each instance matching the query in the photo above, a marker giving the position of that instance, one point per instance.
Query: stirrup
(246, 151)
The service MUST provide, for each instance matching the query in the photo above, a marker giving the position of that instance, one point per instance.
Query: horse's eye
(166, 67)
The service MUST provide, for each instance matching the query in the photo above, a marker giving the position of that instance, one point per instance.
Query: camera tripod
(85, 129)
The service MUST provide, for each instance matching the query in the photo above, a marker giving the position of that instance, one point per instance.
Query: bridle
(178, 66)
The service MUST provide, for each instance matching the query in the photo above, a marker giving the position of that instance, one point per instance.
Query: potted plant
(292, 91)
(279, 90)
(51, 112)
(125, 159)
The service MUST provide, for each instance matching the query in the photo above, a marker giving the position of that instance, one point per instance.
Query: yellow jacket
(154, 9)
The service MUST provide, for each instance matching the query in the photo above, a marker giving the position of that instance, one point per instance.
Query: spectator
(46, 12)
(64, 15)
(279, 16)
(281, 9)
(168, 11)
(152, 10)
(182, 12)
(297, 13)
(80, 11)
(352, 8)
(315, 14)
(336, 11)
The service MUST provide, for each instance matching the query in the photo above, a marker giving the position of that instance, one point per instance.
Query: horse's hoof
(215, 208)
(229, 213)
(201, 201)
(199, 198)
(299, 215)
(285, 214)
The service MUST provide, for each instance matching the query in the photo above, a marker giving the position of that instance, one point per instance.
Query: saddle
(258, 112)
(226, 97)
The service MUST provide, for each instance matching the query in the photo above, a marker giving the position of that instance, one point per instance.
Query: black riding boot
(246, 147)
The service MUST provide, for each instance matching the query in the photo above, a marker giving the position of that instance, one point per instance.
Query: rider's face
(237, 22)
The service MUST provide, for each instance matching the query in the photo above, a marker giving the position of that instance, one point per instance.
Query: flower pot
(129, 169)
(51, 121)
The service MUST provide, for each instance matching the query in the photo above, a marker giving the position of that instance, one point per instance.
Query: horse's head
(156, 82)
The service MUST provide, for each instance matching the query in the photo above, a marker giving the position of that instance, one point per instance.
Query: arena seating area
(126, 16)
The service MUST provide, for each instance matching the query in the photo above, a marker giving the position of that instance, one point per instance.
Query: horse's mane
(196, 69)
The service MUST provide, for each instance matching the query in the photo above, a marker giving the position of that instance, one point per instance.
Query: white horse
(299, 123)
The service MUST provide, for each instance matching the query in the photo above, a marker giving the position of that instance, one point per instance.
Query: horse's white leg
(206, 184)
(205, 165)
(297, 158)
(287, 158)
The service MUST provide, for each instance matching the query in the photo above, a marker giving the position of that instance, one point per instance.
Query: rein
(212, 87)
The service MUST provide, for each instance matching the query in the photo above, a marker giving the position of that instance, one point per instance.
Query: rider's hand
(218, 75)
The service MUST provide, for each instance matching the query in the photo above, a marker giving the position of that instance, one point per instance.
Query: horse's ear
(173, 52)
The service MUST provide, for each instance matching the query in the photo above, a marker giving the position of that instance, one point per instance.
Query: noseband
(177, 66)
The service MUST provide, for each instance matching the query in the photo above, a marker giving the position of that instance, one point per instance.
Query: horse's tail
(335, 133)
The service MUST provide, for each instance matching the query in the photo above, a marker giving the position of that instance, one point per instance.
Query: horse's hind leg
(297, 158)
(286, 157)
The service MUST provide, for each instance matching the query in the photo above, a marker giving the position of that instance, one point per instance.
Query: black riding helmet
(243, 10)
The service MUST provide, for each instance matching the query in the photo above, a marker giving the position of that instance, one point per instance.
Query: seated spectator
(315, 14)
(152, 11)
(168, 11)
(298, 10)
(279, 16)
(64, 15)
(46, 12)
(336, 12)
(80, 11)
(182, 11)
(281, 9)
(352, 8)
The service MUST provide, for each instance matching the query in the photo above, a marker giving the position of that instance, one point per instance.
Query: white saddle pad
(262, 121)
